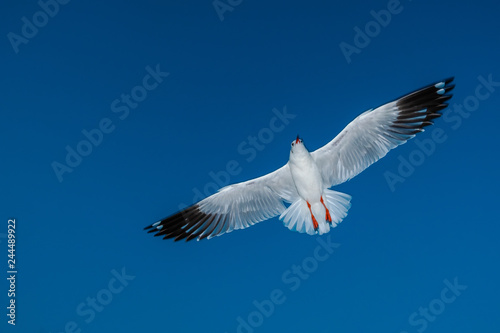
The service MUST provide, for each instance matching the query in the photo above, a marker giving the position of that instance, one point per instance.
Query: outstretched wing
(234, 207)
(372, 134)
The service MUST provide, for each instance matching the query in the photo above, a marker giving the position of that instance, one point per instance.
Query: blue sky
(412, 256)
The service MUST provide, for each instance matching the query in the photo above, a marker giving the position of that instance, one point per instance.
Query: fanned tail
(338, 203)
(297, 216)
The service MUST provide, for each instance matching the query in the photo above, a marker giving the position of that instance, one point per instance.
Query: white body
(305, 174)
(314, 197)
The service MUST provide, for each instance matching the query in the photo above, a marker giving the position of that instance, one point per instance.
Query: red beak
(297, 140)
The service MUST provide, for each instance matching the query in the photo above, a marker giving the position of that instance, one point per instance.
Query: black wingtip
(446, 81)
(189, 223)
(430, 99)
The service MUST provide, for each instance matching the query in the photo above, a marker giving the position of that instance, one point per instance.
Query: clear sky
(115, 114)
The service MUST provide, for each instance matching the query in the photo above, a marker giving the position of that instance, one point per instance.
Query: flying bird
(304, 182)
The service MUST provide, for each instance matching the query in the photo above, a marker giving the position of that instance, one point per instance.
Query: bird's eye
(293, 144)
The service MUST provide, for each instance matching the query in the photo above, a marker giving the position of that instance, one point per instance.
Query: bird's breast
(307, 179)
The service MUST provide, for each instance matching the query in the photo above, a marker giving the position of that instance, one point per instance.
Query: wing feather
(233, 207)
(375, 132)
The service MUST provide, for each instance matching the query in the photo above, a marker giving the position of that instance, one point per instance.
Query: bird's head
(297, 146)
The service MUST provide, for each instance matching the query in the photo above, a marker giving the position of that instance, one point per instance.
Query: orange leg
(328, 217)
(315, 223)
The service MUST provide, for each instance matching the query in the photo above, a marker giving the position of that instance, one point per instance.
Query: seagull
(304, 183)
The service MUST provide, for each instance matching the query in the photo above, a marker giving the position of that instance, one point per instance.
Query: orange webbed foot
(315, 223)
(328, 216)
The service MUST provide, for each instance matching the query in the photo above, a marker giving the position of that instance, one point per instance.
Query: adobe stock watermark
(292, 278)
(121, 107)
(223, 6)
(30, 27)
(363, 37)
(87, 310)
(421, 319)
(249, 149)
(453, 116)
